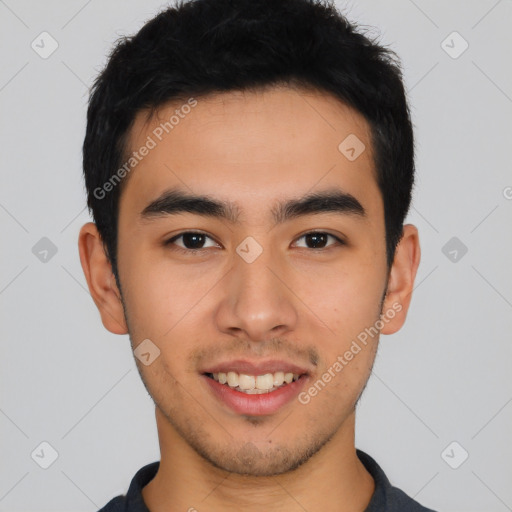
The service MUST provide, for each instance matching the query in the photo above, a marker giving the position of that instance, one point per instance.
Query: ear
(401, 280)
(100, 279)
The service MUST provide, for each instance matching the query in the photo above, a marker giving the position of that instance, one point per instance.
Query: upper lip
(255, 368)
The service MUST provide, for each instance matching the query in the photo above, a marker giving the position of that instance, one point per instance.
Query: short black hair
(201, 47)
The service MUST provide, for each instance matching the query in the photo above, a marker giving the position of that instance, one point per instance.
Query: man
(249, 167)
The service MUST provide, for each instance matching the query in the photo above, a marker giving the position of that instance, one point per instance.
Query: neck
(334, 479)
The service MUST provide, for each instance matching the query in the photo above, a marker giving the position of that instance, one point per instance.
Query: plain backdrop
(442, 386)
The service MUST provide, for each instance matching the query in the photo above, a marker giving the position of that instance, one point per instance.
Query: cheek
(337, 388)
(346, 297)
(159, 293)
(348, 304)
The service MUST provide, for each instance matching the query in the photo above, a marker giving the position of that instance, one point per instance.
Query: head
(252, 124)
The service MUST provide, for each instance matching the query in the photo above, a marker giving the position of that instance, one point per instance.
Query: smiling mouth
(254, 384)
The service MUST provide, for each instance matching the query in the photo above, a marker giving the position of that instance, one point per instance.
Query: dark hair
(200, 47)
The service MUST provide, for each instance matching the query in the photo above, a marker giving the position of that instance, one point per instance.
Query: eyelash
(170, 241)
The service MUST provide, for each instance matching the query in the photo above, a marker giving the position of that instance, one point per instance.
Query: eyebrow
(176, 201)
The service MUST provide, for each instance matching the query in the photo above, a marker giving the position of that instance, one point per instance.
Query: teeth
(232, 379)
(257, 391)
(255, 384)
(278, 379)
(264, 381)
(246, 382)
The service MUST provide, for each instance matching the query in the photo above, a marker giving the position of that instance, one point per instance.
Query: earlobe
(100, 279)
(401, 280)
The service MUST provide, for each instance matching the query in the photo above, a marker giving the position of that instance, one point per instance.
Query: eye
(192, 241)
(318, 239)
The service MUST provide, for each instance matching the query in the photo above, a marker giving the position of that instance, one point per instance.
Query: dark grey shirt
(386, 498)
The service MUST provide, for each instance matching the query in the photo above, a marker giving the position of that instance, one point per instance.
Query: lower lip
(256, 405)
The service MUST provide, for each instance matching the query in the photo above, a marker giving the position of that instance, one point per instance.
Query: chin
(264, 458)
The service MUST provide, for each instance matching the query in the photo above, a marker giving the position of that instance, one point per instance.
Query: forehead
(251, 147)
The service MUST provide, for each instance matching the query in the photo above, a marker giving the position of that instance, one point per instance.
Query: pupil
(315, 237)
(194, 237)
(195, 240)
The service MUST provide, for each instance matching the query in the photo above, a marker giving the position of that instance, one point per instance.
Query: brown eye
(319, 239)
(191, 241)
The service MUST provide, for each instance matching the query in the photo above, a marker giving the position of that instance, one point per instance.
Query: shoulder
(132, 501)
(398, 501)
(386, 497)
(117, 504)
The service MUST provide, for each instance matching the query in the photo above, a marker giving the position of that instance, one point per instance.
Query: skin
(253, 148)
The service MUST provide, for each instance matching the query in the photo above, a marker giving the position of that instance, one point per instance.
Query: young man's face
(260, 291)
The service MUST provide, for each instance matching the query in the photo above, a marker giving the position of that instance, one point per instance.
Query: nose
(258, 302)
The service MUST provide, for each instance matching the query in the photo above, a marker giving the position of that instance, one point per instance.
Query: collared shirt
(385, 498)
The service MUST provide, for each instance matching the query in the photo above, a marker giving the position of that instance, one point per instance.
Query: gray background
(444, 377)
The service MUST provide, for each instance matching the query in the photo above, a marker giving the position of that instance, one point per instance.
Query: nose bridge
(257, 301)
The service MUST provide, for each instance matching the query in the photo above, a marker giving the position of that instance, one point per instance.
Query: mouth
(254, 384)
(255, 390)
